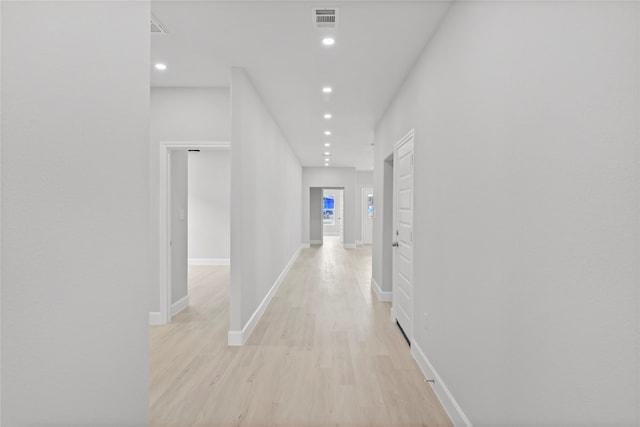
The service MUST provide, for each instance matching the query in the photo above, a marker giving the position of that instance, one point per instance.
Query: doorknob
(394, 244)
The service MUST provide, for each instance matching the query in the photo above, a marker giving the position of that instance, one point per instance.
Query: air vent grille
(325, 17)
(156, 26)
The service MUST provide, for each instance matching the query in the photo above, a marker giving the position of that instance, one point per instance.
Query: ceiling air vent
(325, 17)
(156, 26)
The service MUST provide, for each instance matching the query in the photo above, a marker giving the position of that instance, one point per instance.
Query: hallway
(324, 353)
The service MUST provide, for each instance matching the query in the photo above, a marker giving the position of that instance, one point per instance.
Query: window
(370, 205)
(328, 210)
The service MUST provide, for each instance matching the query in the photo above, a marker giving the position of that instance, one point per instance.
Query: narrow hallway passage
(325, 353)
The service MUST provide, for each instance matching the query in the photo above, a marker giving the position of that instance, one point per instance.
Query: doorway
(367, 215)
(326, 214)
(333, 213)
(175, 219)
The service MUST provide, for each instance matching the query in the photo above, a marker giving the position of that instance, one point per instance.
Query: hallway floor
(324, 354)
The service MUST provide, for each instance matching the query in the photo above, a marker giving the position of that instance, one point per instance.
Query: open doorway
(194, 223)
(333, 213)
(367, 213)
(326, 215)
(209, 223)
(384, 289)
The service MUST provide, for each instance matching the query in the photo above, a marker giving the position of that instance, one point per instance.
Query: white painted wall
(328, 229)
(364, 179)
(266, 181)
(209, 205)
(75, 212)
(526, 209)
(180, 114)
(315, 215)
(179, 231)
(330, 177)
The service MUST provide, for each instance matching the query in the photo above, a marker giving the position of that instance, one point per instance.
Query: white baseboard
(155, 318)
(349, 245)
(305, 246)
(316, 242)
(179, 305)
(237, 338)
(234, 338)
(449, 403)
(331, 233)
(384, 296)
(208, 261)
(358, 242)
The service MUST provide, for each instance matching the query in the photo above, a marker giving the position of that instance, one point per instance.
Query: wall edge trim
(155, 318)
(239, 338)
(179, 305)
(209, 261)
(383, 296)
(451, 406)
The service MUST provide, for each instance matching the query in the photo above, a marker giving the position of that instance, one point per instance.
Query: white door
(403, 235)
(367, 216)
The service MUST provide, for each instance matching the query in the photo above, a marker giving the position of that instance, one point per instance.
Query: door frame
(164, 207)
(409, 136)
(363, 210)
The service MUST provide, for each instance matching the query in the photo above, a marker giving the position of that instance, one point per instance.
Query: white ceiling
(277, 43)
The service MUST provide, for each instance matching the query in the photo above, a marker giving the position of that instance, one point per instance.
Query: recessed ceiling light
(326, 153)
(328, 41)
(326, 164)
(160, 66)
(327, 116)
(327, 132)
(327, 144)
(326, 160)
(327, 89)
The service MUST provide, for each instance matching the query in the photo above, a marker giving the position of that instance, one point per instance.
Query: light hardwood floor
(324, 354)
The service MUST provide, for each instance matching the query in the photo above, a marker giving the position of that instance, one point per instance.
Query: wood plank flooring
(324, 354)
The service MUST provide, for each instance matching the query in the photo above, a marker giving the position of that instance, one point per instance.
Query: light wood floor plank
(324, 354)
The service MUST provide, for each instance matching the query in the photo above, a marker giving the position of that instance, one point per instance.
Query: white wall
(526, 209)
(179, 230)
(181, 114)
(265, 201)
(75, 209)
(336, 178)
(364, 179)
(209, 205)
(315, 216)
(328, 229)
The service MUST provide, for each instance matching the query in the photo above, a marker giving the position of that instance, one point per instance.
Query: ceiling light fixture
(327, 89)
(326, 153)
(328, 41)
(160, 67)
(327, 132)
(326, 160)
(327, 144)
(327, 116)
(326, 164)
